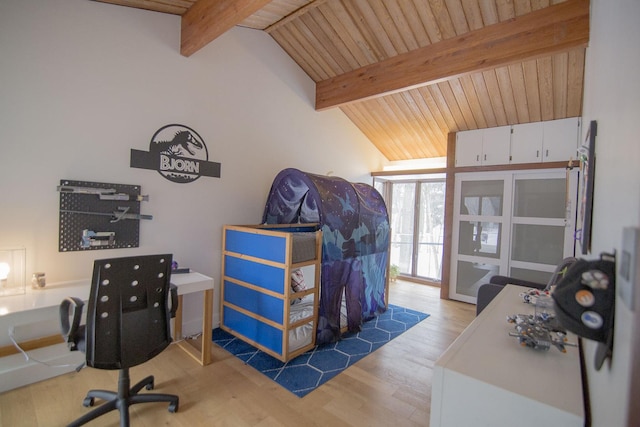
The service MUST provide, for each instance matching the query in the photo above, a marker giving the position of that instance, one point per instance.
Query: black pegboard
(81, 212)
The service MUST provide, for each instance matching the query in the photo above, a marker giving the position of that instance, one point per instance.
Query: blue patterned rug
(310, 370)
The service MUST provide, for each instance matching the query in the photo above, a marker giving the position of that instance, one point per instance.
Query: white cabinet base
(485, 378)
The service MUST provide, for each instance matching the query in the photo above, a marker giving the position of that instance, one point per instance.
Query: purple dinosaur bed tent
(355, 225)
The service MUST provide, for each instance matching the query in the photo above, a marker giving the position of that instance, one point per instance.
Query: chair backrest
(128, 316)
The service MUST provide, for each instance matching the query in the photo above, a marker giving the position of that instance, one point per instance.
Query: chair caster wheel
(173, 407)
(88, 401)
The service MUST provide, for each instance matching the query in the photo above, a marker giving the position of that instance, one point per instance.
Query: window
(416, 210)
(431, 229)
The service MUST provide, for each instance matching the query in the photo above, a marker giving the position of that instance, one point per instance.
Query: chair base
(123, 398)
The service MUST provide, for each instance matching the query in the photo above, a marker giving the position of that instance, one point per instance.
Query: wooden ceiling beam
(206, 20)
(544, 32)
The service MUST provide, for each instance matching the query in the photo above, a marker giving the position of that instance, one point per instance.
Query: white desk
(43, 305)
(32, 307)
(485, 378)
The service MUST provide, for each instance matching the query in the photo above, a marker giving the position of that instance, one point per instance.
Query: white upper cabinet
(495, 145)
(483, 147)
(551, 141)
(561, 138)
(469, 148)
(526, 143)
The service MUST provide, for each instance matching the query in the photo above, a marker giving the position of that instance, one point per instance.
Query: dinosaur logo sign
(178, 153)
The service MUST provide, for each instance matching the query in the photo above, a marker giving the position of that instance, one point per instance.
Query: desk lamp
(12, 268)
(4, 271)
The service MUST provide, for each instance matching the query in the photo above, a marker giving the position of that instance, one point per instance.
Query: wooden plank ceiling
(408, 72)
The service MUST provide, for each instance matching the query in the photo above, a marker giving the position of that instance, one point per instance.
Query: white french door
(515, 223)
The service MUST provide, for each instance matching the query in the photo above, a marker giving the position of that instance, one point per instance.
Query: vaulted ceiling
(408, 72)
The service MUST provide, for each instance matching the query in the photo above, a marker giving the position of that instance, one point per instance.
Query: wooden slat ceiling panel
(328, 38)
(575, 82)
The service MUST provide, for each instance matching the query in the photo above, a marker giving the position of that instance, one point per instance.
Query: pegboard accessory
(103, 193)
(109, 221)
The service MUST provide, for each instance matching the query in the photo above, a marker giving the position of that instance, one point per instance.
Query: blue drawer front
(253, 329)
(262, 246)
(256, 302)
(262, 275)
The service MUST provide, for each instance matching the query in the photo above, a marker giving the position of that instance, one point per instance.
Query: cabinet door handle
(478, 158)
(485, 157)
(546, 153)
(537, 153)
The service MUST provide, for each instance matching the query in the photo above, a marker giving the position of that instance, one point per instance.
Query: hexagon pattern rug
(306, 372)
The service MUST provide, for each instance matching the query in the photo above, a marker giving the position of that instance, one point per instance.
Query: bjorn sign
(178, 153)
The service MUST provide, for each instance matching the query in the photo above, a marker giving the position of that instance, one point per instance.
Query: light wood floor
(390, 387)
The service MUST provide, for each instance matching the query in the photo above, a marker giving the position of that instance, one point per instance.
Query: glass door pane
(479, 238)
(530, 275)
(540, 198)
(482, 198)
(471, 275)
(540, 221)
(542, 244)
(403, 196)
(430, 230)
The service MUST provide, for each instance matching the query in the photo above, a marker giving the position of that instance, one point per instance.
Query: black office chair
(128, 323)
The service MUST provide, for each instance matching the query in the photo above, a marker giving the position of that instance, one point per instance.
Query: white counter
(485, 378)
(37, 305)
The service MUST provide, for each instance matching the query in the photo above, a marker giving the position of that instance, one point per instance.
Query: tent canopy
(355, 225)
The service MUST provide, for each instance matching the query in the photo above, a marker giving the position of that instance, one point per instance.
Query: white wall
(82, 83)
(612, 97)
